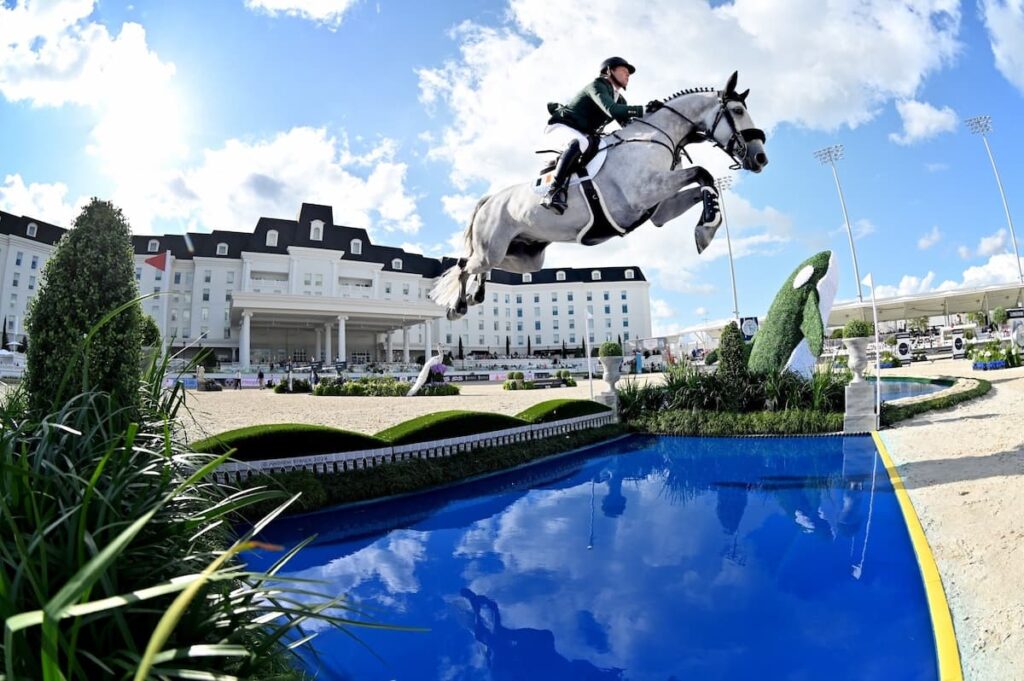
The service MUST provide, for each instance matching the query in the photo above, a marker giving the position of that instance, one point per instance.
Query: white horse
(639, 179)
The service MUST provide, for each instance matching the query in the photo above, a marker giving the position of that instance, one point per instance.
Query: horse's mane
(690, 91)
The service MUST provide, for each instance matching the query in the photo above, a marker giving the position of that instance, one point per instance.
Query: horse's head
(730, 126)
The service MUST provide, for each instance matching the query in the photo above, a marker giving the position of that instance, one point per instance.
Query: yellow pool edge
(946, 648)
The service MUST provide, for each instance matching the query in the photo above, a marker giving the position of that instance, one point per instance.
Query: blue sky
(208, 115)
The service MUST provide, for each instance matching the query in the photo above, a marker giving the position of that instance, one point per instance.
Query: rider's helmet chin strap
(614, 80)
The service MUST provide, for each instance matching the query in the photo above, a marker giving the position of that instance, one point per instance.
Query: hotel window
(506, 299)
(31, 231)
(554, 310)
(625, 309)
(495, 326)
(174, 315)
(318, 280)
(307, 280)
(554, 296)
(17, 276)
(595, 275)
(568, 296)
(572, 338)
(387, 288)
(396, 264)
(207, 276)
(494, 299)
(481, 340)
(35, 263)
(206, 295)
(227, 296)
(537, 339)
(18, 257)
(559, 276)
(222, 249)
(536, 297)
(356, 247)
(607, 309)
(495, 312)
(519, 327)
(625, 335)
(608, 336)
(519, 299)
(230, 278)
(519, 340)
(555, 338)
(138, 274)
(527, 278)
(536, 312)
(572, 324)
(629, 274)
(623, 295)
(572, 310)
(480, 326)
(204, 314)
(272, 237)
(188, 278)
(536, 325)
(606, 295)
(590, 296)
(519, 312)
(316, 230)
(607, 323)
(159, 275)
(625, 323)
(508, 326)
(153, 246)
(405, 289)
(177, 277)
(14, 300)
(554, 324)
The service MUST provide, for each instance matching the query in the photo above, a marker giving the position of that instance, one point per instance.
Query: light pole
(981, 125)
(723, 183)
(829, 156)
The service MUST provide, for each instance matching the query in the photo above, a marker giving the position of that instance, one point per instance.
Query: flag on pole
(159, 261)
(870, 283)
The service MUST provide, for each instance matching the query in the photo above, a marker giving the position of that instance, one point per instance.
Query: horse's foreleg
(676, 205)
(682, 200)
(478, 296)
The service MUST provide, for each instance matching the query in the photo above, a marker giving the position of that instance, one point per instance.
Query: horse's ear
(730, 87)
(743, 96)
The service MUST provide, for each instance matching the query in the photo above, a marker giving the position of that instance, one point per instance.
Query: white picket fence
(339, 462)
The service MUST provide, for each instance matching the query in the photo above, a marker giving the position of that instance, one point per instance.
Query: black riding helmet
(613, 62)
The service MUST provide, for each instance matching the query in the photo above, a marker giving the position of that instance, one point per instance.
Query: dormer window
(31, 231)
(222, 248)
(356, 247)
(527, 278)
(272, 237)
(153, 246)
(316, 230)
(629, 274)
(396, 264)
(595, 275)
(559, 276)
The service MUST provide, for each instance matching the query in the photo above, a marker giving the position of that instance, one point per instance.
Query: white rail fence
(339, 462)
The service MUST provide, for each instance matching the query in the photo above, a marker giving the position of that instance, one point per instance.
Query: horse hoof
(452, 315)
(461, 307)
(703, 234)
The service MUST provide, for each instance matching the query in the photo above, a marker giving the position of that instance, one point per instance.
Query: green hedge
(555, 410)
(284, 440)
(418, 474)
(894, 413)
(723, 424)
(446, 424)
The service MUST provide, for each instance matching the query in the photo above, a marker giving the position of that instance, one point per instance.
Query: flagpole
(164, 305)
(870, 282)
(586, 338)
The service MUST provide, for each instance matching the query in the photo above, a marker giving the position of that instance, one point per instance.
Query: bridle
(736, 148)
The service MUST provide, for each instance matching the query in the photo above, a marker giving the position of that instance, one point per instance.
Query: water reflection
(658, 558)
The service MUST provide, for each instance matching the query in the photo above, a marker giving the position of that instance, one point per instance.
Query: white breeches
(558, 135)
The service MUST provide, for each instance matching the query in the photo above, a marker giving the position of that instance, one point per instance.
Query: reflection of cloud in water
(542, 540)
(392, 561)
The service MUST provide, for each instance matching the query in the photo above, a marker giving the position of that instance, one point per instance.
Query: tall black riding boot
(558, 196)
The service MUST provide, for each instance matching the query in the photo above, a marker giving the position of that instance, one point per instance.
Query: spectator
(259, 378)
(238, 379)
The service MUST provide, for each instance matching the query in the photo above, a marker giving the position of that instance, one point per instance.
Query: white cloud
(244, 180)
(909, 285)
(47, 202)
(660, 309)
(326, 12)
(922, 121)
(964, 252)
(860, 228)
(459, 207)
(992, 244)
(51, 55)
(936, 167)
(1005, 22)
(701, 312)
(929, 239)
(865, 54)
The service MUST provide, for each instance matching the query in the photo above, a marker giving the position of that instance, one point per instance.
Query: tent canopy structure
(933, 304)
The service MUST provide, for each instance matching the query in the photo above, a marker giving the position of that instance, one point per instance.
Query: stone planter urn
(611, 373)
(858, 351)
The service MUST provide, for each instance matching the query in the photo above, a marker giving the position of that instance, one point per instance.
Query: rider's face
(620, 74)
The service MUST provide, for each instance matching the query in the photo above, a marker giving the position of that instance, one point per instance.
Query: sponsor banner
(959, 345)
(903, 348)
(749, 327)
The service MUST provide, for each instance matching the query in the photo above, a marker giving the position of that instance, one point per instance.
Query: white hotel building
(307, 289)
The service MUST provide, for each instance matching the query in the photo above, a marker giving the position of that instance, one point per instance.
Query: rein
(738, 140)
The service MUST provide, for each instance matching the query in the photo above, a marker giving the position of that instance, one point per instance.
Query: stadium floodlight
(982, 125)
(828, 156)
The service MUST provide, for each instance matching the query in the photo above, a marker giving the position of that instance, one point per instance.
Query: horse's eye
(737, 112)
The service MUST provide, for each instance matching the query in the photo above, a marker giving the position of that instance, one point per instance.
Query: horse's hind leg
(478, 296)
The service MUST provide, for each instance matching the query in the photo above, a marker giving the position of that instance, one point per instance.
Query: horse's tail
(448, 288)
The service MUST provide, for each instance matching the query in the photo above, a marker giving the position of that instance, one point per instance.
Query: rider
(586, 114)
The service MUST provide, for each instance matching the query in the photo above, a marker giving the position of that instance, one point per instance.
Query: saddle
(601, 226)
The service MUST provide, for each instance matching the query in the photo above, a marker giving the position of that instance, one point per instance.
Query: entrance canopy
(934, 304)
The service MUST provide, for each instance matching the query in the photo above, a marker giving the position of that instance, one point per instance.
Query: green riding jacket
(593, 107)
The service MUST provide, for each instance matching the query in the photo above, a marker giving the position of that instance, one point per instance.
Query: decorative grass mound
(725, 424)
(446, 424)
(894, 413)
(285, 440)
(556, 410)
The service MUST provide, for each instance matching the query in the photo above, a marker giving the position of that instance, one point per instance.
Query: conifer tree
(91, 273)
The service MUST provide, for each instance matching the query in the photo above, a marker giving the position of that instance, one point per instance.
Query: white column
(293, 276)
(327, 344)
(332, 290)
(342, 350)
(319, 346)
(405, 344)
(427, 342)
(243, 340)
(391, 346)
(246, 276)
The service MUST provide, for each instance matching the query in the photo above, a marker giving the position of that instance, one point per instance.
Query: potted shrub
(856, 335)
(610, 356)
(888, 360)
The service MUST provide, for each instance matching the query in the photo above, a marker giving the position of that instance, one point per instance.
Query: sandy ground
(219, 411)
(963, 468)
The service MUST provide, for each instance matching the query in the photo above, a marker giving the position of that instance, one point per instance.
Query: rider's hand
(654, 105)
